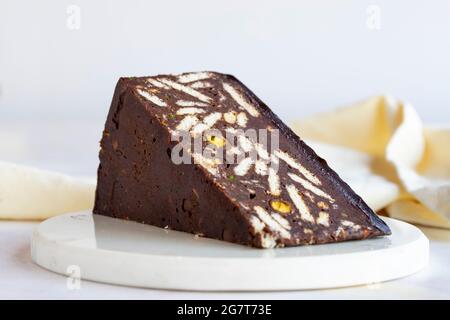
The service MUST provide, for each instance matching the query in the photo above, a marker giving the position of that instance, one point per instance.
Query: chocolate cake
(199, 152)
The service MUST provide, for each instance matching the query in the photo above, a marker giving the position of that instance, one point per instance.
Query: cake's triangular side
(137, 180)
(282, 195)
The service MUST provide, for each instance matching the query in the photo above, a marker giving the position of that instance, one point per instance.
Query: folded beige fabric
(31, 194)
(381, 148)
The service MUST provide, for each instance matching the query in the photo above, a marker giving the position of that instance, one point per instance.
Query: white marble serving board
(128, 253)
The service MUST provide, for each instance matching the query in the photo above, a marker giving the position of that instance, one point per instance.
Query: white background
(301, 57)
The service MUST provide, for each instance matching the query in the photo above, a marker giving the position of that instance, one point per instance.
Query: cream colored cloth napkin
(31, 194)
(381, 148)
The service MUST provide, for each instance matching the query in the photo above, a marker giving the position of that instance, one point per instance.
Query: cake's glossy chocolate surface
(298, 201)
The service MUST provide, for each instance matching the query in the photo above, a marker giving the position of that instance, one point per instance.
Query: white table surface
(75, 152)
(21, 278)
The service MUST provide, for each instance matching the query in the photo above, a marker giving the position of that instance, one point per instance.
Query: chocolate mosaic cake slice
(199, 152)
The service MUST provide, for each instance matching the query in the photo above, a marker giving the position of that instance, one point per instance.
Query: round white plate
(127, 253)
